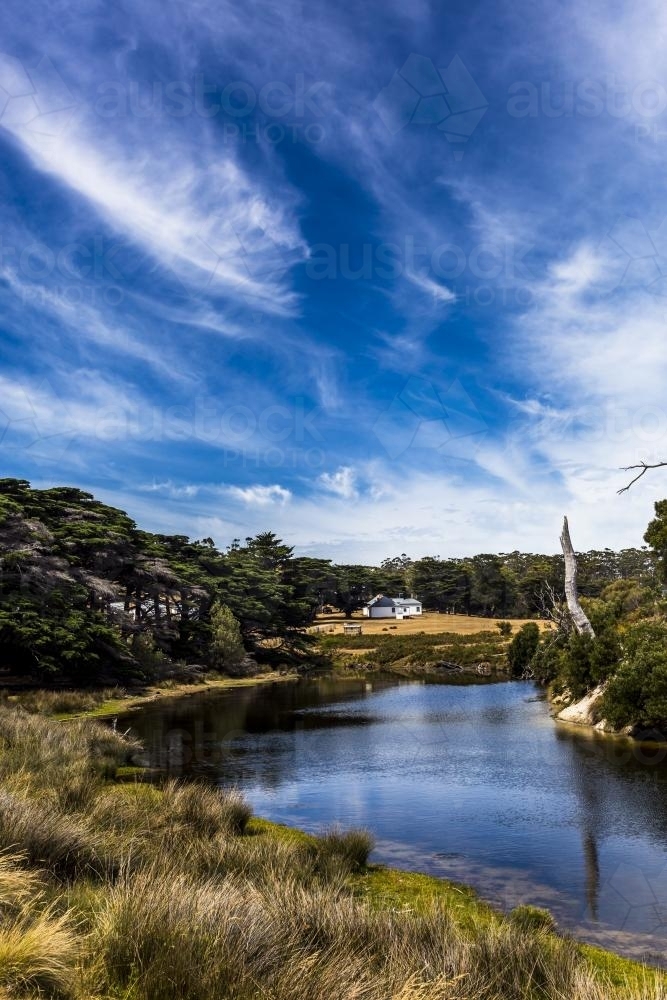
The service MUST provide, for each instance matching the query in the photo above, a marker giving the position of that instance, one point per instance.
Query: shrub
(636, 694)
(522, 648)
(227, 649)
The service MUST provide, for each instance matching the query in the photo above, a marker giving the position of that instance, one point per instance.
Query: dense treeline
(86, 595)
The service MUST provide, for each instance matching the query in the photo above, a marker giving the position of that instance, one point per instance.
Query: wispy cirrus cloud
(247, 392)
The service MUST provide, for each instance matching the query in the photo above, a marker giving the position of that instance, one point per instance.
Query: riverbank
(585, 713)
(67, 705)
(176, 892)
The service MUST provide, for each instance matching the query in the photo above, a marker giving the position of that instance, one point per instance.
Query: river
(475, 782)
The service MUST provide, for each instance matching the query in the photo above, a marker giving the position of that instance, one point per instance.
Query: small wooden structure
(351, 628)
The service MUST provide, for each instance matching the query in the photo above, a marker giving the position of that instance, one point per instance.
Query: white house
(397, 608)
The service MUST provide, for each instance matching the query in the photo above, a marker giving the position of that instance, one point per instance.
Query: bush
(227, 649)
(522, 649)
(636, 694)
(577, 662)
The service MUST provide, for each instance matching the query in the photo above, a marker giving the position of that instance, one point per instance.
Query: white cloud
(260, 496)
(172, 490)
(438, 292)
(342, 482)
(204, 218)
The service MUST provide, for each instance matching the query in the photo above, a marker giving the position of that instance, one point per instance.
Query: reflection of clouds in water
(502, 886)
(644, 931)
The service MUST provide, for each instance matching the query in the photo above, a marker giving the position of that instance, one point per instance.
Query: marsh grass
(64, 702)
(173, 892)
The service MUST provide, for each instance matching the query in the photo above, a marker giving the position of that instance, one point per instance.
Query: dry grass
(45, 702)
(431, 623)
(39, 947)
(170, 893)
(164, 935)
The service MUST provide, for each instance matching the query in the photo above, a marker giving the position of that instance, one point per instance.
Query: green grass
(125, 889)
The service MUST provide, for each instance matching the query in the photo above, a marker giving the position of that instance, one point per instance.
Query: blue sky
(383, 280)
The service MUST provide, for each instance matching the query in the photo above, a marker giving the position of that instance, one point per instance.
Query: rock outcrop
(585, 711)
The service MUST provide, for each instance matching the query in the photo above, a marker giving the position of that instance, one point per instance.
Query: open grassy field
(112, 891)
(430, 644)
(432, 623)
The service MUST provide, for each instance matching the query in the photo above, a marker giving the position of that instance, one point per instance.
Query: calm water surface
(476, 783)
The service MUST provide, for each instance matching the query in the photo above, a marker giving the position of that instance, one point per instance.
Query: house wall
(380, 612)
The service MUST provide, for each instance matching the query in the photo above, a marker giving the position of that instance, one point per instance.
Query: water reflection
(476, 783)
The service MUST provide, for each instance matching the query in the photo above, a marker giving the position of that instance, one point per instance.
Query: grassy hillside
(114, 890)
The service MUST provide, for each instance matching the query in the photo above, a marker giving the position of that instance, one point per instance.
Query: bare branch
(552, 608)
(644, 466)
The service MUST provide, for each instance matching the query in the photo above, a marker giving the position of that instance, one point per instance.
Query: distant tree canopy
(87, 596)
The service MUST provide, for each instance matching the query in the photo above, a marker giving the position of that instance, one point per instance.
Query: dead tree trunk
(577, 613)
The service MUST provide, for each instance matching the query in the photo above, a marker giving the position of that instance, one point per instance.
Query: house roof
(392, 602)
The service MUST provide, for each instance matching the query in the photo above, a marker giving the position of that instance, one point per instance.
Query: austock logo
(635, 256)
(35, 100)
(421, 94)
(421, 416)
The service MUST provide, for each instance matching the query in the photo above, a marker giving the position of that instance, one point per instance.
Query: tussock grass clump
(144, 892)
(49, 837)
(532, 918)
(206, 810)
(352, 847)
(191, 939)
(46, 750)
(38, 947)
(38, 955)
